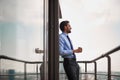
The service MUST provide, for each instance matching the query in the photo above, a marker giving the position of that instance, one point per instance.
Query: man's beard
(69, 31)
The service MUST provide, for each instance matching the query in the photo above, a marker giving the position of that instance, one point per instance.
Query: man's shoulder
(62, 35)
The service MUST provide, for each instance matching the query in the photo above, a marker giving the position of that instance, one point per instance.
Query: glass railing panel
(115, 66)
(11, 70)
(102, 68)
(33, 72)
(62, 75)
(14, 70)
(86, 72)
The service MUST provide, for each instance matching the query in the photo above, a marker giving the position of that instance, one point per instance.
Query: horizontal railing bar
(116, 75)
(18, 74)
(79, 61)
(59, 73)
(13, 59)
(96, 74)
(84, 61)
(101, 74)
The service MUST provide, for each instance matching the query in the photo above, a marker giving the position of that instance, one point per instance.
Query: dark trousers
(71, 68)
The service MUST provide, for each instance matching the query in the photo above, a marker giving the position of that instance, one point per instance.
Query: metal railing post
(0, 68)
(25, 74)
(85, 71)
(37, 71)
(95, 69)
(109, 67)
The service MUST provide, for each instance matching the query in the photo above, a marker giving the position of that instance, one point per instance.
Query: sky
(95, 27)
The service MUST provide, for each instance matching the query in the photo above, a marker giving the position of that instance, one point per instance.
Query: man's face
(68, 28)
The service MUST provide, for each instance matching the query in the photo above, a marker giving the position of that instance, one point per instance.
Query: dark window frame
(53, 42)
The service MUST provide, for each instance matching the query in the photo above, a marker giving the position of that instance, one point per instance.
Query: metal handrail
(107, 53)
(86, 62)
(14, 59)
(25, 64)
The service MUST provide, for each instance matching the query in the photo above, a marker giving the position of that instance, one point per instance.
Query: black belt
(69, 58)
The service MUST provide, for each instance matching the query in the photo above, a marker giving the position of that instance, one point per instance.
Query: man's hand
(78, 50)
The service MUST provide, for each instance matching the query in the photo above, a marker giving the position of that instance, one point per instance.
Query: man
(68, 53)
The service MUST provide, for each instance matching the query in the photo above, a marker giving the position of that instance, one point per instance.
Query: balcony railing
(23, 75)
(106, 55)
(94, 74)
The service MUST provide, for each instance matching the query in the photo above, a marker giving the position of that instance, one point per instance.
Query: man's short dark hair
(63, 24)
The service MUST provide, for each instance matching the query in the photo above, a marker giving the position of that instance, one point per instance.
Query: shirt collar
(65, 33)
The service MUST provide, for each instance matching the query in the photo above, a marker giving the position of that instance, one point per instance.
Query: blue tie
(70, 42)
(71, 45)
